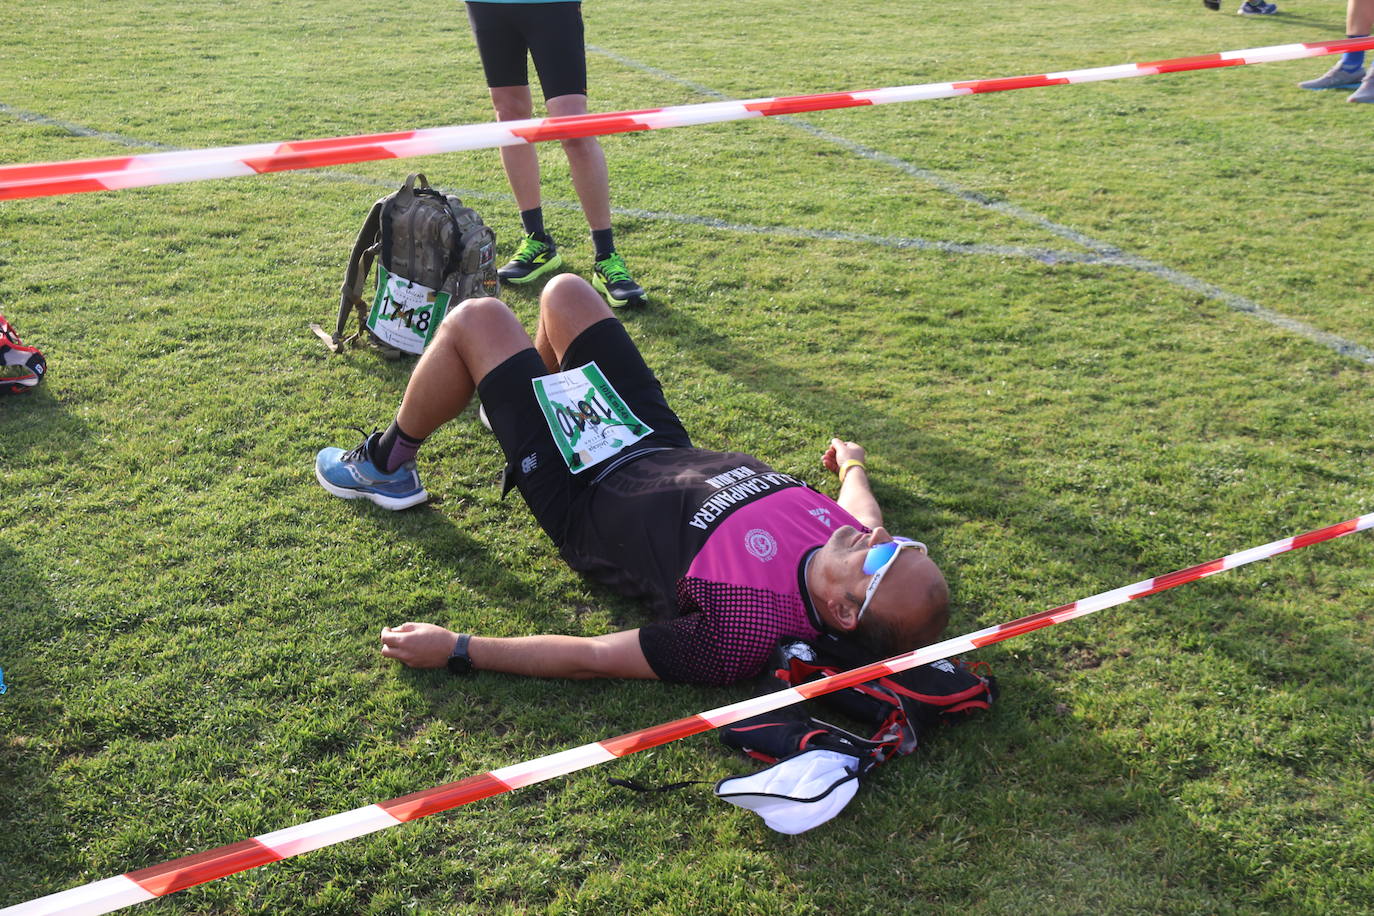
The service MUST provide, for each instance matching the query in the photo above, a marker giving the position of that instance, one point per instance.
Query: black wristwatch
(458, 661)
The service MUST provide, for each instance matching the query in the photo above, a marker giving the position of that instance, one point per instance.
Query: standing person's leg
(1359, 19)
(559, 51)
(1349, 69)
(500, 32)
(521, 161)
(537, 254)
(474, 339)
(592, 182)
(587, 164)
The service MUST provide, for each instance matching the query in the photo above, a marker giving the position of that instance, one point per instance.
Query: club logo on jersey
(822, 515)
(761, 544)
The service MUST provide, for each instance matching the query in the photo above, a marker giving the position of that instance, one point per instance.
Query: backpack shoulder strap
(355, 276)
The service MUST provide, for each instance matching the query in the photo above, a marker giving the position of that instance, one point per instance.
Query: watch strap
(459, 661)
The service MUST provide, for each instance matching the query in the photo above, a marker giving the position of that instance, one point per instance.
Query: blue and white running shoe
(352, 475)
(1257, 8)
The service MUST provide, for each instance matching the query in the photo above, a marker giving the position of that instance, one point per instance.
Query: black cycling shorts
(551, 33)
(533, 462)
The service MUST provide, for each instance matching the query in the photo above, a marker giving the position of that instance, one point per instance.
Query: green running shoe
(532, 260)
(612, 279)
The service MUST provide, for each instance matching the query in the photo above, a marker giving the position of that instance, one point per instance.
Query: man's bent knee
(477, 311)
(477, 319)
(483, 333)
(568, 300)
(568, 307)
(561, 286)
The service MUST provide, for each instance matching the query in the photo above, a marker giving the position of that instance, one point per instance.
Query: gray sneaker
(1335, 78)
(1366, 91)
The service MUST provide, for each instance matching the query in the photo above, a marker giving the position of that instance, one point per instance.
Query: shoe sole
(1332, 86)
(394, 503)
(553, 264)
(613, 302)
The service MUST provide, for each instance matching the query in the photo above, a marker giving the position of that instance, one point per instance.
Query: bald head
(909, 608)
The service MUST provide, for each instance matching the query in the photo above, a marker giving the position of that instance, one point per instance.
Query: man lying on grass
(731, 555)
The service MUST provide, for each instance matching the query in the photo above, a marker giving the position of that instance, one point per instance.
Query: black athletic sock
(533, 221)
(604, 242)
(394, 448)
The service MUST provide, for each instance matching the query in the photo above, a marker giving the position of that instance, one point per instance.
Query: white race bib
(589, 420)
(405, 315)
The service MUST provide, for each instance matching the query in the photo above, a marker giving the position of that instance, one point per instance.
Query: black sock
(533, 221)
(604, 242)
(394, 448)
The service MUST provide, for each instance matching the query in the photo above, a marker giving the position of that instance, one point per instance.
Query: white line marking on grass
(1107, 253)
(1104, 254)
(78, 131)
(1045, 255)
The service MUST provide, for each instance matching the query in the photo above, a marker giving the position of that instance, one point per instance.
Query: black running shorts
(551, 33)
(533, 462)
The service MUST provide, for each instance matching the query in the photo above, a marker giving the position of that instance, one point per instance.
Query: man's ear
(843, 613)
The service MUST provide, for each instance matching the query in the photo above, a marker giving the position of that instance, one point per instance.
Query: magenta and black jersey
(715, 541)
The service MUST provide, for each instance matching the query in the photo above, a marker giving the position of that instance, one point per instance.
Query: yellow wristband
(851, 463)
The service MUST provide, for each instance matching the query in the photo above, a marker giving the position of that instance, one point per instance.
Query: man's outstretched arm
(856, 496)
(425, 645)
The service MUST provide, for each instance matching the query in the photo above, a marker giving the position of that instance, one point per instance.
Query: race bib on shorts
(405, 315)
(589, 421)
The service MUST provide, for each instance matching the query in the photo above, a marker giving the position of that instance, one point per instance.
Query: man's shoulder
(725, 633)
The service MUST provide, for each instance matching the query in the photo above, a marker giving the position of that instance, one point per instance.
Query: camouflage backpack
(431, 252)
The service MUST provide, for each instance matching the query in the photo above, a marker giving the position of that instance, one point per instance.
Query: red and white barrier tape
(179, 874)
(46, 179)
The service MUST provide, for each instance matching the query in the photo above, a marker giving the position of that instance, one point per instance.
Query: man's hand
(419, 645)
(855, 497)
(841, 451)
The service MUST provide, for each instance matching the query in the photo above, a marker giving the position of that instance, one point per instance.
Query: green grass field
(1061, 320)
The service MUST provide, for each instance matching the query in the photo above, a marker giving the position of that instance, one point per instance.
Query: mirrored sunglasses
(879, 559)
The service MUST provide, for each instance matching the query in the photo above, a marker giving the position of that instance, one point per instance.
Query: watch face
(458, 660)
